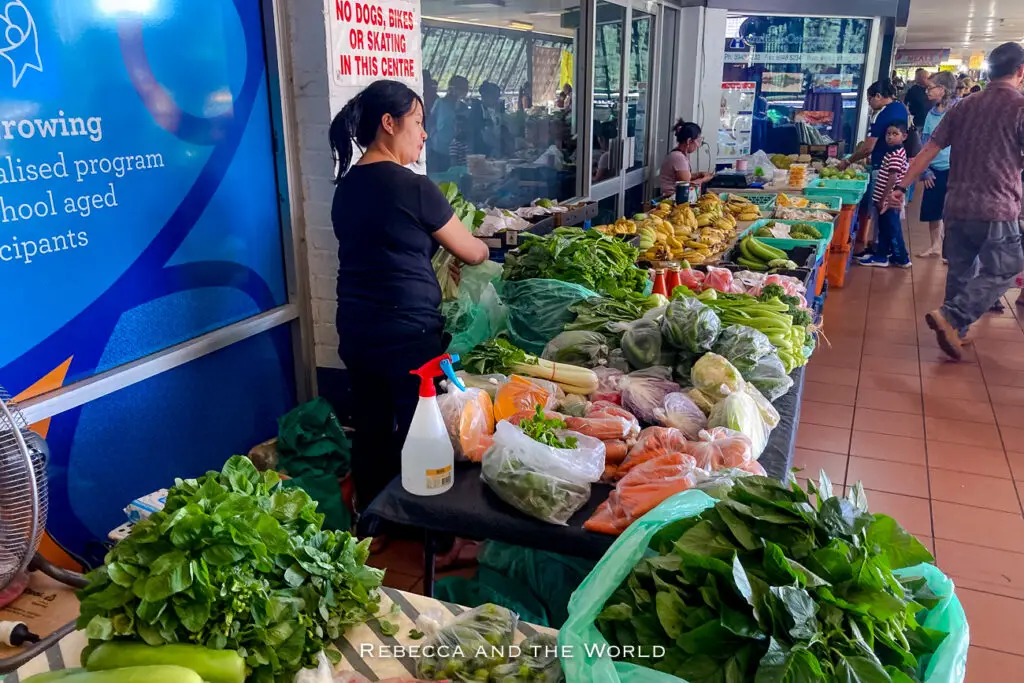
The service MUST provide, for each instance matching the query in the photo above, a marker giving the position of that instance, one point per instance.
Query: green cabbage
(716, 377)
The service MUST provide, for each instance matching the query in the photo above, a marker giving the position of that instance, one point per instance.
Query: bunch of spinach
(234, 561)
(443, 262)
(605, 264)
(601, 313)
(496, 355)
(766, 586)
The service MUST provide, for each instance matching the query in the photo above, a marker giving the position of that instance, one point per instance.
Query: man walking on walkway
(985, 134)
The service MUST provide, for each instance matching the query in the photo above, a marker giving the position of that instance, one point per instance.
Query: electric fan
(23, 504)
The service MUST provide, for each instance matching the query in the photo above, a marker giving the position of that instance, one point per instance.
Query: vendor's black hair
(360, 119)
(882, 88)
(1005, 60)
(686, 130)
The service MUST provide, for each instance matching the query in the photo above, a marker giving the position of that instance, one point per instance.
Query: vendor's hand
(929, 182)
(844, 164)
(455, 272)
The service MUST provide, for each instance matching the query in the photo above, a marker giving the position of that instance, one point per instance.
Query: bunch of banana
(623, 226)
(742, 208)
(658, 239)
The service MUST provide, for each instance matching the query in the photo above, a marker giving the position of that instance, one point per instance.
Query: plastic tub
(784, 243)
(764, 200)
(850, 191)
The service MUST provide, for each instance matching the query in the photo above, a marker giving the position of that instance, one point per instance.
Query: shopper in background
(941, 92)
(891, 249)
(881, 99)
(676, 166)
(917, 99)
(389, 222)
(985, 134)
(441, 123)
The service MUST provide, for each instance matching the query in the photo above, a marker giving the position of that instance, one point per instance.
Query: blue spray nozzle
(449, 371)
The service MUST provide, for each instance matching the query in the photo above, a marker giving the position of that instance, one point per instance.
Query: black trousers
(384, 398)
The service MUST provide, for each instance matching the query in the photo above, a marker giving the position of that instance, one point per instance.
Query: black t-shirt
(917, 102)
(384, 216)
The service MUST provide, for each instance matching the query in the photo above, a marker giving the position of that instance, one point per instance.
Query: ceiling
(964, 26)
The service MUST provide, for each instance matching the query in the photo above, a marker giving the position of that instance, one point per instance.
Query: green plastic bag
(473, 318)
(947, 665)
(538, 310)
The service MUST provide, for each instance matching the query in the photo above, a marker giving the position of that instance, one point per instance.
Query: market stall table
(471, 510)
(364, 648)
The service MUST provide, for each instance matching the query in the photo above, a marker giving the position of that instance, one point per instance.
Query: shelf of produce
(65, 654)
(471, 510)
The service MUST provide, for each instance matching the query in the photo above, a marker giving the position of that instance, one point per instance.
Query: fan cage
(23, 496)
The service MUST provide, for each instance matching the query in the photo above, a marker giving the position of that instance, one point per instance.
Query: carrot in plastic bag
(615, 451)
(720, 448)
(652, 442)
(518, 395)
(606, 409)
(469, 418)
(607, 427)
(644, 488)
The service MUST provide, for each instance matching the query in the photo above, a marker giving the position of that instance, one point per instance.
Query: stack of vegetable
(233, 562)
(758, 256)
(589, 258)
(500, 356)
(443, 261)
(771, 585)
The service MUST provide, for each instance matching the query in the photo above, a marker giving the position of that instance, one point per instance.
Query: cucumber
(751, 265)
(214, 666)
(130, 674)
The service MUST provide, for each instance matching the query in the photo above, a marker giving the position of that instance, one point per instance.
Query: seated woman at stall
(389, 221)
(676, 167)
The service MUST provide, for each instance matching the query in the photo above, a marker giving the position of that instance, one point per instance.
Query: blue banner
(139, 205)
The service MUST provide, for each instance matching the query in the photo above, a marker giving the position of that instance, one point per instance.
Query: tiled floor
(938, 445)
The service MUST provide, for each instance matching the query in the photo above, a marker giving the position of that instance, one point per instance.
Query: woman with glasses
(942, 93)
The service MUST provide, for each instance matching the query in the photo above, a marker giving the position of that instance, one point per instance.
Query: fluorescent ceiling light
(521, 25)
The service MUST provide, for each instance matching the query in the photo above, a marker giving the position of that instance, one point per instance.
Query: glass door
(621, 110)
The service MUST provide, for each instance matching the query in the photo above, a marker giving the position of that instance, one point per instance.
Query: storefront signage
(911, 58)
(138, 191)
(794, 58)
(977, 61)
(782, 81)
(374, 39)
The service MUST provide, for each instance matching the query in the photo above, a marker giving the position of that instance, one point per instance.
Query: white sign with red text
(375, 39)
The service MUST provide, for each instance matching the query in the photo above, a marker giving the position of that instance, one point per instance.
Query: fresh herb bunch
(234, 561)
(605, 264)
(496, 356)
(540, 428)
(766, 586)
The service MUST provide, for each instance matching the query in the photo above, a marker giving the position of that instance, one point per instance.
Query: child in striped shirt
(891, 248)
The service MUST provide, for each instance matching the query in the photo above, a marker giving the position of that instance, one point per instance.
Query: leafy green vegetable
(416, 634)
(234, 561)
(496, 356)
(599, 314)
(605, 264)
(773, 585)
(388, 628)
(443, 261)
(541, 429)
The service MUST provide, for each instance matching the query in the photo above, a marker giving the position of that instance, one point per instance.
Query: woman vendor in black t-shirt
(389, 221)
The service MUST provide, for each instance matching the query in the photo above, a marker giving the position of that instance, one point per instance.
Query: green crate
(834, 203)
(784, 243)
(764, 200)
(850, 191)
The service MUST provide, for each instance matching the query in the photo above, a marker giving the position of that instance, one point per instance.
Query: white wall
(699, 74)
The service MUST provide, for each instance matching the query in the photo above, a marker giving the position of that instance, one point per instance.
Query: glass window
(498, 86)
(638, 95)
(789, 81)
(608, 46)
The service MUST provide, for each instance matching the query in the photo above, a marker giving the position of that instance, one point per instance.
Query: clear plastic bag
(652, 443)
(469, 418)
(489, 383)
(609, 385)
(689, 325)
(768, 412)
(641, 343)
(578, 347)
(678, 410)
(605, 422)
(743, 346)
(720, 448)
(519, 394)
(573, 405)
(547, 483)
(642, 489)
(644, 391)
(769, 376)
(537, 663)
(716, 377)
(739, 412)
(700, 399)
(469, 647)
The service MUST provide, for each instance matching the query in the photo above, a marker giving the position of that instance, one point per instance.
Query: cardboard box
(46, 606)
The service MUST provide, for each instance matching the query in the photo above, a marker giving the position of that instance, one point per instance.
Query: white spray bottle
(428, 459)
